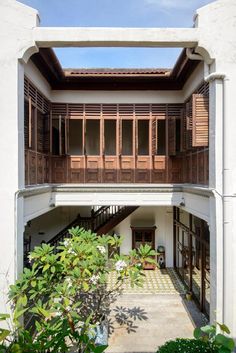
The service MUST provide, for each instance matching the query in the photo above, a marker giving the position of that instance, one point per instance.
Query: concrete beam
(116, 37)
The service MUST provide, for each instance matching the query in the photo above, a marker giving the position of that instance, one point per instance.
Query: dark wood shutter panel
(59, 109)
(40, 132)
(189, 124)
(172, 136)
(159, 111)
(142, 110)
(183, 132)
(200, 128)
(46, 133)
(109, 110)
(126, 110)
(154, 137)
(26, 123)
(75, 111)
(93, 110)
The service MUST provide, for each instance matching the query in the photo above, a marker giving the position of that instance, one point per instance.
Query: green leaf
(85, 286)
(224, 328)
(208, 329)
(3, 334)
(53, 269)
(44, 312)
(226, 342)
(15, 348)
(197, 333)
(4, 317)
(33, 283)
(46, 267)
(18, 313)
(99, 349)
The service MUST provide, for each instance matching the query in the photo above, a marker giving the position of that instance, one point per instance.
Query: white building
(158, 145)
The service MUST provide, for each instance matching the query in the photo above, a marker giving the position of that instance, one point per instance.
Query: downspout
(16, 196)
(221, 193)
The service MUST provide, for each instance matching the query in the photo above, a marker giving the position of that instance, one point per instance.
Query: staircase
(102, 220)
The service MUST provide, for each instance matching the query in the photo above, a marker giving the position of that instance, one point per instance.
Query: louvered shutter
(154, 137)
(183, 130)
(26, 123)
(109, 111)
(200, 127)
(172, 136)
(46, 133)
(189, 124)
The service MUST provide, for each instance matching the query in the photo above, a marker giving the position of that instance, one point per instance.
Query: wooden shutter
(40, 131)
(172, 136)
(189, 124)
(154, 137)
(200, 122)
(26, 123)
(183, 131)
(46, 133)
(109, 110)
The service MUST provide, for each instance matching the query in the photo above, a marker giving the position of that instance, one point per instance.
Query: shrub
(184, 345)
(66, 292)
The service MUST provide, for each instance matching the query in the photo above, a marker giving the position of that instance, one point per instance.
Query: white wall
(117, 96)
(195, 79)
(161, 217)
(52, 223)
(35, 76)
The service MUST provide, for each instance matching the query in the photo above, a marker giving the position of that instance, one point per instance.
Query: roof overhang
(112, 79)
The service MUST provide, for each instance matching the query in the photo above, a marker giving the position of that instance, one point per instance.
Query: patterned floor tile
(159, 281)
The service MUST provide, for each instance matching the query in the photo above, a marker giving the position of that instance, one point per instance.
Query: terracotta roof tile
(116, 72)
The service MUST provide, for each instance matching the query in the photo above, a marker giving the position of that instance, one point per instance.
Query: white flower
(68, 282)
(67, 242)
(57, 300)
(94, 279)
(71, 251)
(102, 249)
(30, 258)
(57, 313)
(120, 265)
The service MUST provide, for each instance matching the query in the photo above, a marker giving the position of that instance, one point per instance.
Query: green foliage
(181, 345)
(67, 294)
(209, 333)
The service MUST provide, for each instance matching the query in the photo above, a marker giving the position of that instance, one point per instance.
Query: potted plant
(67, 293)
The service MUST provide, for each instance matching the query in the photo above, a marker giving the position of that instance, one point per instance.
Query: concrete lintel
(115, 37)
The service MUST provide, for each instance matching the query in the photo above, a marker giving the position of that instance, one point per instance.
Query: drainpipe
(16, 196)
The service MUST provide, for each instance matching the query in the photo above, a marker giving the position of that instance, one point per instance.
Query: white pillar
(16, 23)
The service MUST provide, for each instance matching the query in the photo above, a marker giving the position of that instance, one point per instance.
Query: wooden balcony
(190, 168)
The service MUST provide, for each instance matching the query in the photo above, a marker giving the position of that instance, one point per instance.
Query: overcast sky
(117, 13)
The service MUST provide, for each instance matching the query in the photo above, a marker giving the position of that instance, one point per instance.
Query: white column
(216, 209)
(16, 23)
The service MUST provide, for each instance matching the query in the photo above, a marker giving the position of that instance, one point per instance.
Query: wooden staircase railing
(101, 221)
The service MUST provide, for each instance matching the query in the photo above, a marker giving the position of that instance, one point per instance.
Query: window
(127, 137)
(58, 136)
(143, 137)
(110, 137)
(75, 137)
(161, 137)
(93, 137)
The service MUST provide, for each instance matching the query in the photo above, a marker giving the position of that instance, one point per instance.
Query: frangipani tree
(66, 291)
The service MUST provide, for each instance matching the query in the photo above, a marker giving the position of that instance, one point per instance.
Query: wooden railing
(98, 219)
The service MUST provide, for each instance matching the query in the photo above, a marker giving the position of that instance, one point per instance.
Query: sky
(116, 13)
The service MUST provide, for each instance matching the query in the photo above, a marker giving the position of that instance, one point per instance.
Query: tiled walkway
(159, 281)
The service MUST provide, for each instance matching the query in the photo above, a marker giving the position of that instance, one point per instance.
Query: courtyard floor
(144, 318)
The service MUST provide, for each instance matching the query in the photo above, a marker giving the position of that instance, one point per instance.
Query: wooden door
(142, 236)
